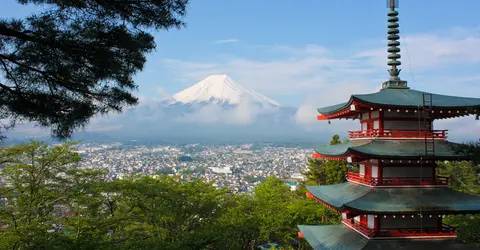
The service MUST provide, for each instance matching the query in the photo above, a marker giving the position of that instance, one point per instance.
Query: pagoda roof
(391, 149)
(355, 197)
(340, 237)
(403, 98)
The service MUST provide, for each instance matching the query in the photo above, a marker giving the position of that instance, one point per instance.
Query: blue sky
(312, 53)
(297, 53)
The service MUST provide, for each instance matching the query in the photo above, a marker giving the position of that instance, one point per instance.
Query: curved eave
(340, 237)
(329, 157)
(389, 149)
(357, 198)
(441, 200)
(359, 154)
(337, 195)
(343, 110)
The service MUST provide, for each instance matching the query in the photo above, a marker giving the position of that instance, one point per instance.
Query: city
(239, 168)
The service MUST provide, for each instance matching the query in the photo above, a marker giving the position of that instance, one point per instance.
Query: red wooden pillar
(376, 225)
(380, 122)
(368, 170)
(364, 220)
(380, 172)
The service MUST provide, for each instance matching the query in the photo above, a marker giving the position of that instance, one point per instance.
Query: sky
(312, 53)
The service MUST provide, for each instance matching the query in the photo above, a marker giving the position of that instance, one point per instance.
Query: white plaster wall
(407, 171)
(376, 124)
(362, 169)
(365, 116)
(371, 221)
(374, 171)
(357, 218)
(344, 216)
(407, 222)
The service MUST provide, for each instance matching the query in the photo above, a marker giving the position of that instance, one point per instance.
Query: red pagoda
(396, 201)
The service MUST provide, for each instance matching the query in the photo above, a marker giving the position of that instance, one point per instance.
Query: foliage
(38, 182)
(77, 59)
(464, 178)
(50, 204)
(326, 172)
(335, 140)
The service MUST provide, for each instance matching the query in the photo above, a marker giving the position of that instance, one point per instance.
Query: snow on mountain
(221, 89)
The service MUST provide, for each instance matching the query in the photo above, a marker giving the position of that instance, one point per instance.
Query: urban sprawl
(237, 167)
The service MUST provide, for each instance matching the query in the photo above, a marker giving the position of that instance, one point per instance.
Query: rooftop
(409, 99)
(429, 200)
(391, 149)
(339, 237)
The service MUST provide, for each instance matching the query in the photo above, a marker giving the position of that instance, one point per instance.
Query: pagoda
(396, 200)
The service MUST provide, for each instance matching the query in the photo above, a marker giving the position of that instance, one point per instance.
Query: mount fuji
(221, 90)
(217, 109)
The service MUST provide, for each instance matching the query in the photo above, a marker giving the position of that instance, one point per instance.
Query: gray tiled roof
(407, 98)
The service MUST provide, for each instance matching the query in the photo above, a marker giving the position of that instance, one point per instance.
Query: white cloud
(243, 114)
(325, 76)
(232, 40)
(424, 52)
(337, 93)
(303, 69)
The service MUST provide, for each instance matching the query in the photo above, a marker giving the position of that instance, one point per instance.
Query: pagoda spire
(393, 48)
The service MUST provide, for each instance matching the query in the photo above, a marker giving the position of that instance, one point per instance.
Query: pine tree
(77, 59)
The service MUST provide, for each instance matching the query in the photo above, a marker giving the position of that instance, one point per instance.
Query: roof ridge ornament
(393, 49)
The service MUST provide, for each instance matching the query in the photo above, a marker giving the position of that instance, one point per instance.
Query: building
(395, 201)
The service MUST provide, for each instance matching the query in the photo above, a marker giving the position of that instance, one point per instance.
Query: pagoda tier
(393, 163)
(343, 237)
(406, 101)
(407, 212)
(358, 199)
(390, 149)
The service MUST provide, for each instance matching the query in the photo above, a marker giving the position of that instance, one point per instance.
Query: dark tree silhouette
(76, 59)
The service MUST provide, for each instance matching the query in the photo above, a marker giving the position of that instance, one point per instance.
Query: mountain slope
(222, 90)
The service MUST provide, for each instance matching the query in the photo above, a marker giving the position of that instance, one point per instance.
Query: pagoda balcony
(398, 181)
(392, 133)
(443, 231)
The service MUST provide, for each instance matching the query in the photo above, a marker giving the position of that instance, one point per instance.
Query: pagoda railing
(392, 133)
(444, 230)
(396, 181)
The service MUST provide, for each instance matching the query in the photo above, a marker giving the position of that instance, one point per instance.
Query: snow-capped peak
(221, 89)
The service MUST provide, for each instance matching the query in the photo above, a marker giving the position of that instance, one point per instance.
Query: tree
(39, 185)
(271, 199)
(326, 172)
(47, 203)
(463, 177)
(335, 140)
(239, 224)
(77, 59)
